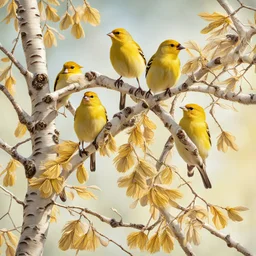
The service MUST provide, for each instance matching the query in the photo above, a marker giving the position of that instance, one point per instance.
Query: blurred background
(150, 22)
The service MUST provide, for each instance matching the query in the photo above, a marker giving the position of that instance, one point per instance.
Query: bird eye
(190, 108)
(117, 33)
(172, 45)
(72, 67)
(91, 96)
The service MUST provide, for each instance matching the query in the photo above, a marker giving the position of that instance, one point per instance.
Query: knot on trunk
(39, 81)
(40, 126)
(90, 76)
(30, 168)
(55, 138)
(47, 99)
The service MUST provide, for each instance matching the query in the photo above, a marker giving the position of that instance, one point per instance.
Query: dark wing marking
(208, 132)
(149, 65)
(56, 81)
(141, 53)
(106, 114)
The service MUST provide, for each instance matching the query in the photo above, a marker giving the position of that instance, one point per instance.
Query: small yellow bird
(90, 118)
(163, 69)
(70, 73)
(127, 58)
(195, 126)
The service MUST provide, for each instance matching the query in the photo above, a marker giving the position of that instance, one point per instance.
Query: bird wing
(56, 81)
(149, 64)
(208, 133)
(141, 53)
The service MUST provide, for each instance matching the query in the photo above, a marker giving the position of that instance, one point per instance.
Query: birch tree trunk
(36, 210)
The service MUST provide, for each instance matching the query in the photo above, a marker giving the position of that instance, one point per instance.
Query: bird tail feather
(190, 170)
(204, 176)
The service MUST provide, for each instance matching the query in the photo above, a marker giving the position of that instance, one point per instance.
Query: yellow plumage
(70, 73)
(126, 57)
(163, 69)
(90, 118)
(195, 126)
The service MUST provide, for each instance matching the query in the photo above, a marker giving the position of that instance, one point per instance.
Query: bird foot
(139, 90)
(168, 91)
(95, 144)
(148, 94)
(119, 83)
(91, 76)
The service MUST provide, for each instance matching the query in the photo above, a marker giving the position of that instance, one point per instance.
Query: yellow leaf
(226, 140)
(13, 239)
(76, 17)
(49, 38)
(57, 184)
(9, 179)
(192, 65)
(20, 130)
(51, 14)
(3, 3)
(153, 244)
(70, 195)
(81, 174)
(148, 135)
(11, 12)
(137, 240)
(166, 240)
(52, 172)
(125, 158)
(135, 183)
(136, 136)
(193, 46)
(54, 2)
(10, 251)
(55, 211)
(231, 83)
(219, 219)
(91, 15)
(66, 21)
(145, 168)
(9, 84)
(41, 10)
(4, 73)
(77, 30)
(148, 123)
(233, 212)
(84, 193)
(46, 189)
(192, 232)
(158, 197)
(5, 59)
(1, 239)
(65, 241)
(212, 17)
(167, 175)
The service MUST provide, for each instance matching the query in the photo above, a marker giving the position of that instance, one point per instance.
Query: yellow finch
(163, 69)
(126, 57)
(90, 118)
(70, 73)
(195, 126)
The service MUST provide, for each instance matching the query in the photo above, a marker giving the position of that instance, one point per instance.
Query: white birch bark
(36, 210)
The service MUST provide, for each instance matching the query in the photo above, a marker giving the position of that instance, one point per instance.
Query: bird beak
(65, 71)
(180, 47)
(184, 108)
(87, 99)
(110, 34)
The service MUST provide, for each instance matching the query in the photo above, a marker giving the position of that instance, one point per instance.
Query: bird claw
(119, 83)
(167, 91)
(148, 94)
(139, 90)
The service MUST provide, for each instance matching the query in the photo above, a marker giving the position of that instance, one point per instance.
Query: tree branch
(12, 151)
(230, 11)
(22, 69)
(22, 114)
(227, 238)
